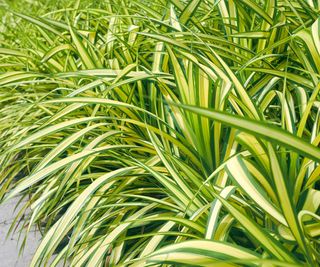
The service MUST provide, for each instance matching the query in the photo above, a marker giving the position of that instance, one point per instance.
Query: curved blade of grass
(83, 53)
(215, 210)
(61, 227)
(285, 201)
(201, 252)
(241, 175)
(257, 232)
(260, 128)
(65, 144)
(52, 129)
(53, 168)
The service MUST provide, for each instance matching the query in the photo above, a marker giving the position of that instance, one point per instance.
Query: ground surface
(9, 247)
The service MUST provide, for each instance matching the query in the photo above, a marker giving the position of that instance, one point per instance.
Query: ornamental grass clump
(165, 132)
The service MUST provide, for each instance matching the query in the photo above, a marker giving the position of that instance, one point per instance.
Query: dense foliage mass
(164, 132)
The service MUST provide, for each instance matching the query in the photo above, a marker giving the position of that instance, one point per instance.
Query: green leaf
(262, 129)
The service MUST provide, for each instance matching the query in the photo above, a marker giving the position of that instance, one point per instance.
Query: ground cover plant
(165, 132)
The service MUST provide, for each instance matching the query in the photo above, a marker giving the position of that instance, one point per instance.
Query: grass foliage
(164, 132)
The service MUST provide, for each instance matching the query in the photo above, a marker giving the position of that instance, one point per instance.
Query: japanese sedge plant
(163, 133)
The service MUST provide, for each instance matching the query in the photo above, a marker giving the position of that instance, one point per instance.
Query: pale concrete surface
(9, 248)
